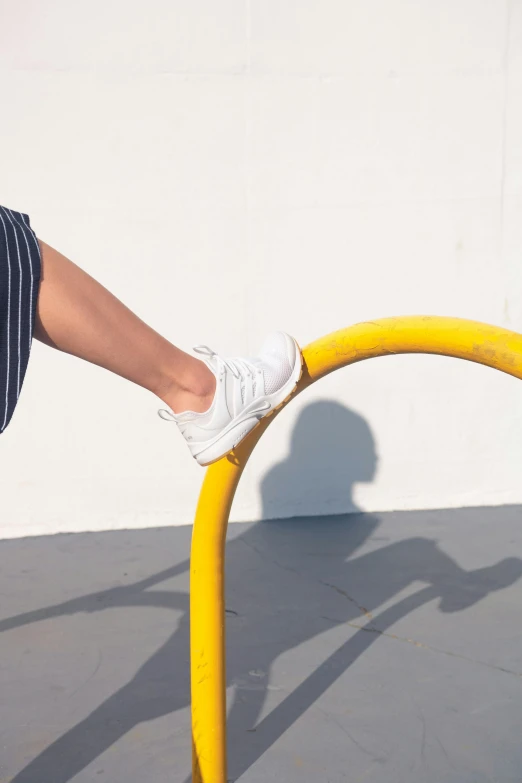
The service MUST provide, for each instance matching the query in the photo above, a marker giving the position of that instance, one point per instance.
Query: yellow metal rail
(476, 342)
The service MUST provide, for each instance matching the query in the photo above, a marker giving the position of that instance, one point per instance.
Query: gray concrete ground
(382, 648)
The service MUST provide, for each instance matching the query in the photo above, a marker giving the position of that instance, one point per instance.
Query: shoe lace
(166, 415)
(239, 367)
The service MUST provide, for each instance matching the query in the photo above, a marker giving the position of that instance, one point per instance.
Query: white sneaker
(247, 390)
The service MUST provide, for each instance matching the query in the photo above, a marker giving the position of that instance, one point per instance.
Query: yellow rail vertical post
(481, 343)
(207, 626)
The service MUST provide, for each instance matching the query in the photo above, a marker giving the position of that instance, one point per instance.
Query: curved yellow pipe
(476, 342)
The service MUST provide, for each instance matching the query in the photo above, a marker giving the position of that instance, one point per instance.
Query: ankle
(185, 401)
(195, 393)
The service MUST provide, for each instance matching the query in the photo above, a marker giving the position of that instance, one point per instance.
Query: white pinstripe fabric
(20, 284)
(8, 314)
(20, 266)
(31, 265)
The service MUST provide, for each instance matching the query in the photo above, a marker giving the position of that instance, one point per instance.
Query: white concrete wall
(229, 167)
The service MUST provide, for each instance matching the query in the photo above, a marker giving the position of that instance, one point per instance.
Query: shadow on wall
(332, 449)
(289, 581)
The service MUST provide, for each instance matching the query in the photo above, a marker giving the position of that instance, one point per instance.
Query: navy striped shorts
(20, 270)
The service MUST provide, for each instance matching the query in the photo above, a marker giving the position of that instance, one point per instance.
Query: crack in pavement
(359, 606)
(421, 645)
(371, 628)
(361, 609)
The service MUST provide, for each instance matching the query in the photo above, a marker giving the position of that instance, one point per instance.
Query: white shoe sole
(242, 425)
